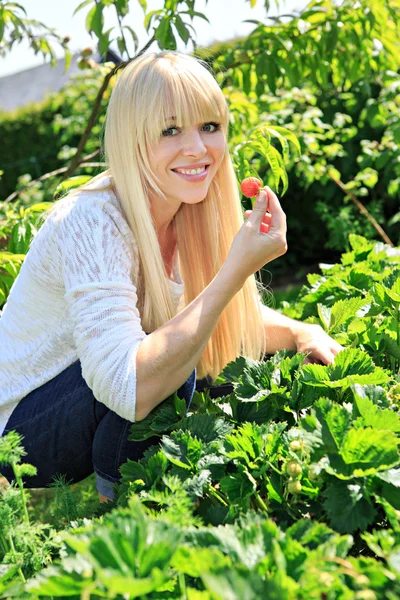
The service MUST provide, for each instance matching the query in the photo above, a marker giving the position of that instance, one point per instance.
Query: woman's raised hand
(262, 237)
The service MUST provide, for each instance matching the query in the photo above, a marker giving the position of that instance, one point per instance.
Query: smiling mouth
(180, 173)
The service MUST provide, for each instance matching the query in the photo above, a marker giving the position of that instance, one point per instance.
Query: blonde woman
(140, 281)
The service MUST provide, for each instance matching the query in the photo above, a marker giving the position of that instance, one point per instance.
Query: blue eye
(165, 132)
(216, 125)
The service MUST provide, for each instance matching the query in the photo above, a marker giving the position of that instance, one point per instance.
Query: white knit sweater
(75, 299)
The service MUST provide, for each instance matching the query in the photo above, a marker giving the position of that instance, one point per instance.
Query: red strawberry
(250, 186)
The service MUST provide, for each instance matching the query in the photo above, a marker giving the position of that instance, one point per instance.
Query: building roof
(34, 84)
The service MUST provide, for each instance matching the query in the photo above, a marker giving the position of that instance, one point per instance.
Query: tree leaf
(95, 20)
(182, 29)
(148, 18)
(82, 5)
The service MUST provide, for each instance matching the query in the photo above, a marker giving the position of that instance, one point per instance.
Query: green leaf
(274, 159)
(148, 18)
(373, 416)
(195, 561)
(68, 58)
(338, 421)
(82, 5)
(193, 13)
(182, 29)
(370, 448)
(237, 487)
(2, 23)
(121, 45)
(324, 313)
(346, 507)
(95, 20)
(122, 7)
(375, 393)
(54, 581)
(134, 37)
(207, 428)
(20, 238)
(164, 33)
(71, 183)
(391, 347)
(344, 310)
(233, 370)
(314, 374)
(182, 450)
(122, 583)
(351, 361)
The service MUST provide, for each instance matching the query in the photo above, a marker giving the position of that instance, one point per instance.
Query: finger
(278, 219)
(260, 208)
(266, 218)
(336, 347)
(265, 223)
(325, 355)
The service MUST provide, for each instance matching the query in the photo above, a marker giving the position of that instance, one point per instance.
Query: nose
(194, 144)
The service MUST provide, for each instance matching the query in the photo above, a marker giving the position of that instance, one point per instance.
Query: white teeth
(191, 171)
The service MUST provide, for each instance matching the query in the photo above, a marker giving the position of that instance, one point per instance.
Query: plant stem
(15, 557)
(21, 487)
(260, 502)
(182, 585)
(122, 30)
(214, 493)
(362, 209)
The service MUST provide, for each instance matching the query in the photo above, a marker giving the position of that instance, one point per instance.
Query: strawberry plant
(290, 482)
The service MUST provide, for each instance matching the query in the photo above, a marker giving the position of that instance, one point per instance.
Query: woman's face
(199, 146)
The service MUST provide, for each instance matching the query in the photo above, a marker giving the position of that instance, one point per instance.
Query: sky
(226, 21)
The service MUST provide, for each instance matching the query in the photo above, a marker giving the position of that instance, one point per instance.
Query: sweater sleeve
(102, 303)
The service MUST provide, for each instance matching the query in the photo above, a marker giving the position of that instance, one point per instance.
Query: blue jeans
(67, 431)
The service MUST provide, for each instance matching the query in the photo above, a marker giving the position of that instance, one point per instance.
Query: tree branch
(364, 211)
(82, 162)
(96, 107)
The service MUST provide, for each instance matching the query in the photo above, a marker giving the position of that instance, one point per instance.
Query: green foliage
(15, 27)
(314, 448)
(327, 44)
(357, 300)
(167, 23)
(39, 138)
(134, 554)
(301, 76)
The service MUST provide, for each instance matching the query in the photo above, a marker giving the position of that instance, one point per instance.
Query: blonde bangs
(191, 95)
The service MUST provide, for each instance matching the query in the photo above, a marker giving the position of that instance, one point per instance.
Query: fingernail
(261, 196)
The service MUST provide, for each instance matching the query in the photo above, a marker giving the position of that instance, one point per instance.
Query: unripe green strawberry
(250, 186)
(294, 487)
(296, 445)
(365, 595)
(293, 468)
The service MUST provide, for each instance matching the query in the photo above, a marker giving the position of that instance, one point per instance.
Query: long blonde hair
(147, 90)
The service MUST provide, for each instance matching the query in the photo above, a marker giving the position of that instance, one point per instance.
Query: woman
(99, 327)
